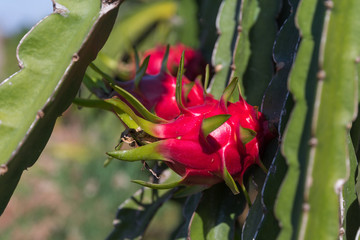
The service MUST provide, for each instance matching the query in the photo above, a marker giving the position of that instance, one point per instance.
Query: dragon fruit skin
(208, 141)
(203, 156)
(201, 159)
(193, 60)
(156, 89)
(157, 94)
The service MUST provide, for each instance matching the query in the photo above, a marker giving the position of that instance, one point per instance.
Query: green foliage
(135, 214)
(293, 137)
(276, 106)
(334, 110)
(53, 61)
(140, 18)
(220, 221)
(260, 65)
(226, 24)
(247, 18)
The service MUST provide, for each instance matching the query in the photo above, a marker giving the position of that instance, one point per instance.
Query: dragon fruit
(157, 92)
(193, 60)
(202, 139)
(208, 142)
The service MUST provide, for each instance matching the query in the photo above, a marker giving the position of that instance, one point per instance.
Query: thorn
(40, 114)
(339, 185)
(116, 222)
(321, 75)
(60, 9)
(341, 232)
(75, 57)
(329, 4)
(306, 207)
(218, 67)
(313, 142)
(239, 28)
(279, 66)
(108, 1)
(3, 169)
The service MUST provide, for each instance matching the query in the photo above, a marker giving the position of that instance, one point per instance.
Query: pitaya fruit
(193, 60)
(203, 140)
(157, 92)
(206, 143)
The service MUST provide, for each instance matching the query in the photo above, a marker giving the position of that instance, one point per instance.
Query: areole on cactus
(205, 143)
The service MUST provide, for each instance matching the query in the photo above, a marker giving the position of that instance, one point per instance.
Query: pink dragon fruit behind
(157, 94)
(193, 61)
(156, 89)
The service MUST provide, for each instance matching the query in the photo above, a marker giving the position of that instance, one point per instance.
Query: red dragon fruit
(157, 92)
(193, 61)
(208, 142)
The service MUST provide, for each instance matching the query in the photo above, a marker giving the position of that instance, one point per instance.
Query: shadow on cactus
(202, 139)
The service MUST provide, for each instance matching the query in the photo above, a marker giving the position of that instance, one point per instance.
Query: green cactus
(226, 23)
(52, 61)
(299, 61)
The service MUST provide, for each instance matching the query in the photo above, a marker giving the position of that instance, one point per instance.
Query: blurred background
(68, 193)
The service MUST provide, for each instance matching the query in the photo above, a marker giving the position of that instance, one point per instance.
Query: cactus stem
(321, 77)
